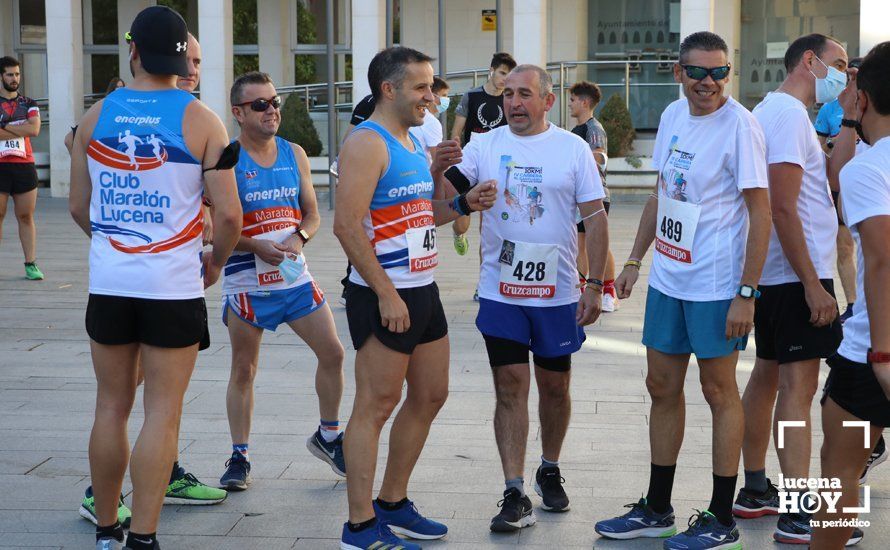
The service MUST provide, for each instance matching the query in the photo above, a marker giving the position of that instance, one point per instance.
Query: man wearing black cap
(142, 210)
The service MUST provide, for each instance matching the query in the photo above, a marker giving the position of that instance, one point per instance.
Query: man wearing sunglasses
(796, 316)
(266, 282)
(711, 190)
(146, 303)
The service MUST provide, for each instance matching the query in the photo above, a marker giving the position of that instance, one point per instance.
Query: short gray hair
(543, 77)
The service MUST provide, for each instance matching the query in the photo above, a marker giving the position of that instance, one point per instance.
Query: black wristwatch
(849, 123)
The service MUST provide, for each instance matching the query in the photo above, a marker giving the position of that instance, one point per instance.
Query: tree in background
(619, 127)
(296, 126)
(304, 65)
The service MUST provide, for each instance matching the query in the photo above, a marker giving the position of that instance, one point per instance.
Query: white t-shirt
(541, 179)
(865, 193)
(791, 138)
(429, 134)
(704, 163)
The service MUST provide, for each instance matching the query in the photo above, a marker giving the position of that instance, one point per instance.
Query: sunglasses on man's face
(700, 73)
(260, 105)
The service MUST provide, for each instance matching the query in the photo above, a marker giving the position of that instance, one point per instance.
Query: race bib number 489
(528, 270)
(675, 229)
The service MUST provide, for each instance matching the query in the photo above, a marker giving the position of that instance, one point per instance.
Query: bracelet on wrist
(597, 282)
(633, 263)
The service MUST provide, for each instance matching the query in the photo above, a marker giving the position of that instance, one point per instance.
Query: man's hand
(848, 96)
(394, 313)
(823, 308)
(207, 236)
(211, 270)
(882, 373)
(445, 155)
(293, 244)
(740, 318)
(482, 196)
(625, 282)
(269, 251)
(590, 306)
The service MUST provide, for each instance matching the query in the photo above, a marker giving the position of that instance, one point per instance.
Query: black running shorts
(855, 389)
(17, 178)
(502, 351)
(428, 322)
(782, 328)
(118, 320)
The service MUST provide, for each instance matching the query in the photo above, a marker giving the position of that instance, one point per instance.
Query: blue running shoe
(375, 537)
(331, 453)
(641, 521)
(795, 529)
(705, 533)
(237, 476)
(407, 521)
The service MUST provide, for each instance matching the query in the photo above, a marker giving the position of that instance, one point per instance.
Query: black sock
(115, 531)
(135, 541)
(721, 498)
(661, 483)
(174, 474)
(356, 527)
(391, 506)
(755, 480)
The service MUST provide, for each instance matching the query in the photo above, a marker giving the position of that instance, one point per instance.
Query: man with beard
(19, 121)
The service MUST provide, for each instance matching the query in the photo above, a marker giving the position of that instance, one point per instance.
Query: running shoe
(878, 456)
(846, 314)
(408, 522)
(548, 484)
(237, 476)
(516, 512)
(32, 272)
(749, 504)
(185, 488)
(641, 521)
(109, 544)
(88, 510)
(331, 453)
(795, 529)
(610, 303)
(376, 537)
(461, 244)
(705, 533)
(476, 295)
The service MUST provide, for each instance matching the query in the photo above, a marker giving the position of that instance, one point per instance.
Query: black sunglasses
(700, 73)
(260, 105)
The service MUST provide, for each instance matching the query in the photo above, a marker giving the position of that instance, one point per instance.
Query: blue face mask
(828, 88)
(291, 270)
(443, 105)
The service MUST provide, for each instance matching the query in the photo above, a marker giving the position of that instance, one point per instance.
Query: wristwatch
(748, 291)
(878, 357)
(849, 123)
(303, 235)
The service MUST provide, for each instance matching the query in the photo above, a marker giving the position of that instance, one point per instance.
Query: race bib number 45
(675, 229)
(423, 254)
(528, 270)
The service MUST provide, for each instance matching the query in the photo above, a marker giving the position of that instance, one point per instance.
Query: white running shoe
(610, 303)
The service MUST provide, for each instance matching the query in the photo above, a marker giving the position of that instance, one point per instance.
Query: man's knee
(554, 387)
(718, 394)
(243, 372)
(25, 218)
(332, 357)
(799, 384)
(511, 385)
(663, 386)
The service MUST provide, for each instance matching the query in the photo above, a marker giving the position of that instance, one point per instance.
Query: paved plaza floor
(47, 393)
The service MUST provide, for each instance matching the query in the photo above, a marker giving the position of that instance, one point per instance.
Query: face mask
(291, 270)
(828, 88)
(444, 102)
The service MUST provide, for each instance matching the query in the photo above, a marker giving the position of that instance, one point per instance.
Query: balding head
(190, 83)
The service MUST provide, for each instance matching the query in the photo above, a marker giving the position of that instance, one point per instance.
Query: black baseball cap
(161, 36)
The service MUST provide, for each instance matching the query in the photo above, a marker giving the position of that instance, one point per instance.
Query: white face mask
(444, 102)
(828, 88)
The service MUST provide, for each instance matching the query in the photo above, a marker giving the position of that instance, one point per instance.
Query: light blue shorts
(267, 309)
(679, 327)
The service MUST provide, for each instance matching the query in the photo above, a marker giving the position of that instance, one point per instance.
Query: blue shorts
(678, 327)
(267, 309)
(547, 331)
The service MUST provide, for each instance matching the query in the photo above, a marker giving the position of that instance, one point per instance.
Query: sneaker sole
(323, 456)
(235, 485)
(547, 508)
(411, 534)
(751, 513)
(878, 461)
(790, 538)
(192, 501)
(344, 546)
(87, 515)
(501, 526)
(648, 532)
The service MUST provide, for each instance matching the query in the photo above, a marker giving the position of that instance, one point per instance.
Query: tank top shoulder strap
(286, 155)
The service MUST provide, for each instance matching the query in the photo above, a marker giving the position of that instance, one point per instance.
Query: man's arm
(81, 189)
(740, 317)
(645, 235)
(784, 189)
(457, 129)
(308, 201)
(845, 141)
(876, 252)
(29, 129)
(480, 197)
(596, 226)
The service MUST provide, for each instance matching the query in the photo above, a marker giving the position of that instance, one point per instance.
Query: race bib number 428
(528, 270)
(675, 229)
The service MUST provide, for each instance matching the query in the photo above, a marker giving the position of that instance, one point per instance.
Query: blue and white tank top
(270, 198)
(145, 209)
(400, 221)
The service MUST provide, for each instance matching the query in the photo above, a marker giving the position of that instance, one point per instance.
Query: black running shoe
(795, 529)
(237, 476)
(749, 505)
(548, 484)
(878, 456)
(516, 513)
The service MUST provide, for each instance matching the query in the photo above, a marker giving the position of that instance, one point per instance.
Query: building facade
(69, 49)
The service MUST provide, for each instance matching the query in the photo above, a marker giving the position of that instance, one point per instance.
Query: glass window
(244, 22)
(104, 23)
(768, 26)
(312, 23)
(32, 22)
(104, 68)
